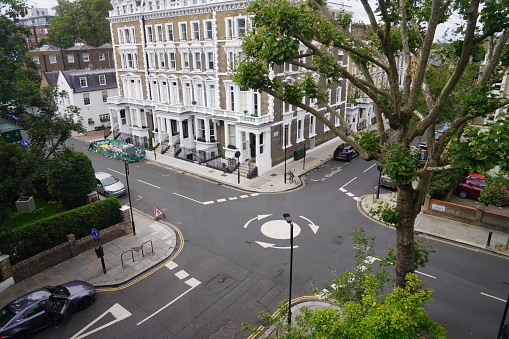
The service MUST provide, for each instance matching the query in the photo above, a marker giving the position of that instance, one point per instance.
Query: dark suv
(345, 152)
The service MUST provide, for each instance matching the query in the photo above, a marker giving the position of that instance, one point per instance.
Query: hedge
(444, 182)
(26, 241)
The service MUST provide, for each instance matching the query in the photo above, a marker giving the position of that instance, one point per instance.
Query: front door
(252, 145)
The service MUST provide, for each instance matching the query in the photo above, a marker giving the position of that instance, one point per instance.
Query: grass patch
(43, 209)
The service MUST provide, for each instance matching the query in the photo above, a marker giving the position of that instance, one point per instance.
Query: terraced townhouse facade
(173, 62)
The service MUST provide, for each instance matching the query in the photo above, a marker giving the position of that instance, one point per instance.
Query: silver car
(108, 185)
(26, 314)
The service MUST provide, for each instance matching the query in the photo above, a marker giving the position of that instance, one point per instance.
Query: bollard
(489, 239)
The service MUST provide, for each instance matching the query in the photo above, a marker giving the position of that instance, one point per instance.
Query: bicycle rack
(152, 245)
(122, 255)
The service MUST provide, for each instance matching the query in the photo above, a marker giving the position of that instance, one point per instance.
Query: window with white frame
(86, 57)
(241, 27)
(169, 32)
(36, 60)
(188, 93)
(102, 57)
(150, 34)
(174, 92)
(132, 60)
(212, 131)
(230, 100)
(338, 94)
(201, 129)
(164, 91)
(312, 125)
(300, 129)
(102, 79)
(229, 28)
(52, 59)
(199, 95)
(210, 60)
(162, 60)
(261, 142)
(123, 117)
(336, 121)
(172, 60)
(154, 90)
(325, 127)
(104, 117)
(86, 99)
(256, 103)
(105, 96)
(197, 61)
(143, 118)
(134, 117)
(195, 25)
(183, 31)
(159, 33)
(185, 60)
(287, 135)
(211, 95)
(83, 82)
(208, 29)
(232, 136)
(70, 58)
(151, 60)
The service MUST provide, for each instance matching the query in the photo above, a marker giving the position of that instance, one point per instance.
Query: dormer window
(83, 82)
(102, 79)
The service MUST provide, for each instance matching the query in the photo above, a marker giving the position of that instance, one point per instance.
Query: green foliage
(19, 79)
(401, 164)
(443, 183)
(81, 19)
(48, 130)
(387, 213)
(25, 241)
(70, 178)
(44, 209)
(495, 192)
(369, 140)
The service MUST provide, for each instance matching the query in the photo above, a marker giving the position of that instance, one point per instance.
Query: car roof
(102, 175)
(19, 304)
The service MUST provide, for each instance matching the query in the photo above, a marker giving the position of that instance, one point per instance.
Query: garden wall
(65, 251)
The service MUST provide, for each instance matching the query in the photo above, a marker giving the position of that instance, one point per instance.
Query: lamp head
(287, 217)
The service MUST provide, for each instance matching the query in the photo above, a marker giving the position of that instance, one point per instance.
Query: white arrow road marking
(191, 282)
(147, 183)
(116, 310)
(348, 182)
(139, 197)
(311, 224)
(266, 244)
(493, 297)
(110, 169)
(259, 217)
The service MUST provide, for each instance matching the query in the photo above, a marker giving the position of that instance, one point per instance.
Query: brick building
(173, 60)
(38, 21)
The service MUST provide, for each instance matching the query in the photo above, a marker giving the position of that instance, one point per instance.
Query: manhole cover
(220, 282)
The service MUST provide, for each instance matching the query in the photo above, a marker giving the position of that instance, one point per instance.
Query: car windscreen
(5, 315)
(58, 291)
(109, 181)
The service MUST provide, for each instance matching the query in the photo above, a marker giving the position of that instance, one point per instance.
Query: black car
(26, 314)
(387, 181)
(345, 152)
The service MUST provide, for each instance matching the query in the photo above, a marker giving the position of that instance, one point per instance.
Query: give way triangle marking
(116, 310)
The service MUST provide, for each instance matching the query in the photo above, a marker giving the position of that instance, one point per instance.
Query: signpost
(158, 213)
(99, 251)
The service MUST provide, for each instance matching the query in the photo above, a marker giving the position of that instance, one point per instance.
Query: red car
(471, 187)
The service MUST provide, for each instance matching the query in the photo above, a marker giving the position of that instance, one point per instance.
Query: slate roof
(80, 47)
(73, 79)
(46, 48)
(52, 77)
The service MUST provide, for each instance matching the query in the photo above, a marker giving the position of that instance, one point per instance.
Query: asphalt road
(235, 261)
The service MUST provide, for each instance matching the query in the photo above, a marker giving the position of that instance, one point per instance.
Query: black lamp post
(503, 331)
(237, 155)
(288, 219)
(129, 194)
(380, 169)
(284, 136)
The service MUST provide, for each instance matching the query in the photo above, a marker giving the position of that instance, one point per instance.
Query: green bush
(28, 240)
(443, 182)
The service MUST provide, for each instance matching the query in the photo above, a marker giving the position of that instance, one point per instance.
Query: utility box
(25, 205)
(92, 197)
(299, 153)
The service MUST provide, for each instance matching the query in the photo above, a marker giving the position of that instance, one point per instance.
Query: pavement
(156, 243)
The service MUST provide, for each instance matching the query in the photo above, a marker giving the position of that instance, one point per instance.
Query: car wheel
(499, 204)
(349, 157)
(463, 194)
(22, 335)
(84, 303)
(106, 194)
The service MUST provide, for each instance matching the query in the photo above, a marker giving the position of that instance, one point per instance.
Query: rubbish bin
(299, 153)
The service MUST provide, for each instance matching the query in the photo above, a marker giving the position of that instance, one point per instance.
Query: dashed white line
(171, 265)
(116, 171)
(343, 190)
(491, 296)
(182, 274)
(233, 198)
(350, 194)
(370, 167)
(426, 274)
(147, 183)
(254, 194)
(207, 202)
(348, 182)
(221, 200)
(244, 196)
(183, 196)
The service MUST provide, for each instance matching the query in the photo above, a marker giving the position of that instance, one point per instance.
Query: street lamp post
(284, 136)
(237, 155)
(288, 219)
(129, 194)
(380, 169)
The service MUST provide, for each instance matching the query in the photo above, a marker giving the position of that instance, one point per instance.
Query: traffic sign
(24, 142)
(95, 234)
(158, 213)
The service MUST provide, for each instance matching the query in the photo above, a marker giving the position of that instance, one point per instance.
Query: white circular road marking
(279, 229)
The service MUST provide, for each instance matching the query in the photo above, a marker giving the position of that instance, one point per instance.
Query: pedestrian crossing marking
(233, 198)
(171, 265)
(221, 200)
(181, 274)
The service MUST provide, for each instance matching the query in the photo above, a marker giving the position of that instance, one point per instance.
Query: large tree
(397, 30)
(80, 19)
(19, 79)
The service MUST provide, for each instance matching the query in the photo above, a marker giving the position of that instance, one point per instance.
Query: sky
(357, 9)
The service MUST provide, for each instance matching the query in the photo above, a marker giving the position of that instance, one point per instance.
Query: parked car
(386, 181)
(13, 117)
(26, 314)
(472, 187)
(475, 176)
(345, 152)
(109, 185)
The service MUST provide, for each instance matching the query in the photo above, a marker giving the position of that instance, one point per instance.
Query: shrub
(28, 240)
(443, 182)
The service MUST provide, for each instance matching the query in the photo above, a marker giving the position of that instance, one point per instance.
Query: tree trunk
(405, 233)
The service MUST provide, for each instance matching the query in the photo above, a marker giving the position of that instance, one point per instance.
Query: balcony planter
(254, 115)
(193, 102)
(212, 139)
(232, 147)
(246, 111)
(200, 139)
